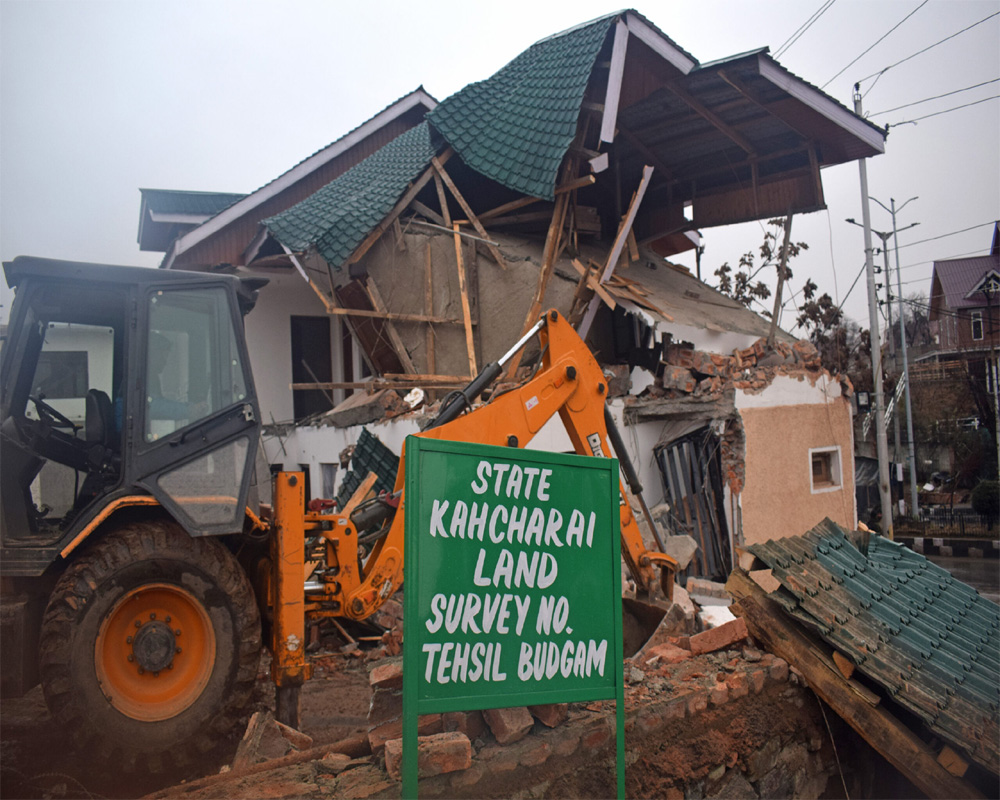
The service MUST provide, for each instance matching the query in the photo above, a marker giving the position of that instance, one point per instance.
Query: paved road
(982, 574)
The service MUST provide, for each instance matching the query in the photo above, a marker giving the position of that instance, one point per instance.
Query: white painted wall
(788, 391)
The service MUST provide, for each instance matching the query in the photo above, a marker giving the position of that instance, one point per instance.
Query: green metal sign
(512, 579)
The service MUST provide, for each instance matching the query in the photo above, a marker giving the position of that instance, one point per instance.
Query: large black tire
(148, 594)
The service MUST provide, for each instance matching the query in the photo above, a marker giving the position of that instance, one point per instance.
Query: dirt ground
(37, 762)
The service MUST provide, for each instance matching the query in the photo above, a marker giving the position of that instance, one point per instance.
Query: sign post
(513, 584)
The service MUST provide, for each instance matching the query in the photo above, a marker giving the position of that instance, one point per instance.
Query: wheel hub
(154, 645)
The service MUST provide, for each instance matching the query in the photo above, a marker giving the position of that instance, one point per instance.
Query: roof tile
(524, 117)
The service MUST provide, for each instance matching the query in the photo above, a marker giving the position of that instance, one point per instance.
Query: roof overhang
(303, 169)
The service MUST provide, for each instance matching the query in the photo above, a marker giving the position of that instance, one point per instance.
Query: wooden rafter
(466, 311)
(404, 202)
(720, 124)
(389, 325)
(429, 307)
(438, 166)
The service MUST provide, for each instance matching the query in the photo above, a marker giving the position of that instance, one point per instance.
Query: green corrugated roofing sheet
(337, 218)
(169, 201)
(931, 641)
(516, 126)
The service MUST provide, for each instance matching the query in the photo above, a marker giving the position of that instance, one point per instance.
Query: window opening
(824, 469)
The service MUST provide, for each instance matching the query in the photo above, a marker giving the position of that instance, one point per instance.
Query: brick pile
(686, 371)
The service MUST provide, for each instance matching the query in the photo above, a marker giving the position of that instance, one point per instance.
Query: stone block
(509, 724)
(682, 548)
(550, 714)
(757, 680)
(436, 754)
(537, 754)
(717, 638)
(265, 738)
(779, 669)
(387, 675)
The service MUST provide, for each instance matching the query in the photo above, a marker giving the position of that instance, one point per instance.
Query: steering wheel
(45, 411)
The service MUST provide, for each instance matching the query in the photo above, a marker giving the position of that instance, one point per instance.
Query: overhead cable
(920, 52)
(944, 235)
(935, 97)
(784, 47)
(939, 113)
(880, 39)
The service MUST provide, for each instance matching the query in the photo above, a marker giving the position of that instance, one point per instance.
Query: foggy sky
(100, 98)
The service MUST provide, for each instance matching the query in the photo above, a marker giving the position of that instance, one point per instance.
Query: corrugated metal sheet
(958, 276)
(932, 642)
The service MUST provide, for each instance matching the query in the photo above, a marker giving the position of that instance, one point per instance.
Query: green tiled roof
(370, 455)
(931, 641)
(168, 201)
(516, 126)
(337, 218)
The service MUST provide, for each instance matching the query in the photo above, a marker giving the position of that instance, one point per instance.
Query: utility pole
(881, 446)
(911, 447)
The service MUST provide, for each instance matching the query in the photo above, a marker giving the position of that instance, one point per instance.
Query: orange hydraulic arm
(569, 383)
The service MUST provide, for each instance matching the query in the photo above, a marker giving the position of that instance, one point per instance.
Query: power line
(935, 97)
(786, 45)
(945, 235)
(938, 113)
(920, 52)
(881, 38)
(978, 252)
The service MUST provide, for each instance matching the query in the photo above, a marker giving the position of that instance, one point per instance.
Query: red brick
(538, 754)
(718, 694)
(471, 723)
(738, 685)
(436, 755)
(697, 702)
(427, 724)
(717, 638)
(566, 741)
(678, 355)
(757, 678)
(597, 738)
(509, 724)
(550, 714)
(387, 675)
(666, 654)
(678, 378)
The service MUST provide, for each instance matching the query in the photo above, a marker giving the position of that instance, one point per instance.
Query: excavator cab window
(62, 434)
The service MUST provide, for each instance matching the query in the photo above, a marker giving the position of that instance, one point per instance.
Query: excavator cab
(120, 381)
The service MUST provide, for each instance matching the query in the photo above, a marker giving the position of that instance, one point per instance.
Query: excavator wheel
(150, 647)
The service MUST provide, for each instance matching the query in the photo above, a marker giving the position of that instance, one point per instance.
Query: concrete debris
(708, 593)
(266, 738)
(361, 408)
(714, 616)
(681, 547)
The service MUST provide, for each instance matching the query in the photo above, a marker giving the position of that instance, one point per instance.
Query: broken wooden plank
(399, 208)
(952, 762)
(428, 212)
(438, 166)
(578, 183)
(392, 315)
(429, 308)
(466, 311)
(442, 200)
(616, 249)
(778, 634)
(427, 378)
(390, 327)
(506, 208)
(375, 384)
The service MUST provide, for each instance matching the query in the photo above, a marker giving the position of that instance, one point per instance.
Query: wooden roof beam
(721, 125)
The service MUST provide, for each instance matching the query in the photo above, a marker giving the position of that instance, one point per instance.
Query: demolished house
(420, 246)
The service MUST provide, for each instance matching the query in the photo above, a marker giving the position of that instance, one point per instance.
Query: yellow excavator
(136, 564)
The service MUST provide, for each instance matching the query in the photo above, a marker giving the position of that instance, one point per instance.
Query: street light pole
(881, 446)
(915, 506)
